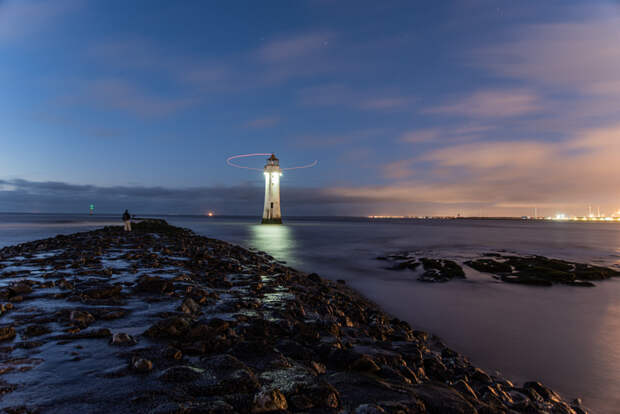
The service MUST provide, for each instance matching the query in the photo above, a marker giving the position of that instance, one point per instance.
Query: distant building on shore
(271, 210)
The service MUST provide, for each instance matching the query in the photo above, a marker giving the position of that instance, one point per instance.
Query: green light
(92, 206)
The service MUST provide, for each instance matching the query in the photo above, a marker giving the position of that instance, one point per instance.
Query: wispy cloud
(343, 95)
(493, 104)
(294, 47)
(322, 140)
(580, 55)
(263, 122)
(125, 96)
(20, 18)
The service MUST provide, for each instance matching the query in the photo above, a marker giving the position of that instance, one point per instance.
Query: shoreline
(201, 325)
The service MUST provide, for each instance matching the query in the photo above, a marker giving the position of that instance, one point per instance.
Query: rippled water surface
(567, 337)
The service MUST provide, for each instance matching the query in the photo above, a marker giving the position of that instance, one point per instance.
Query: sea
(566, 337)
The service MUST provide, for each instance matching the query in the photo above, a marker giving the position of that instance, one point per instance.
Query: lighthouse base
(271, 221)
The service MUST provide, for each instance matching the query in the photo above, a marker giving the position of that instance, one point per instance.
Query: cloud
(52, 196)
(121, 95)
(493, 104)
(420, 135)
(20, 18)
(569, 173)
(398, 169)
(580, 55)
(445, 134)
(322, 140)
(342, 95)
(293, 47)
(264, 122)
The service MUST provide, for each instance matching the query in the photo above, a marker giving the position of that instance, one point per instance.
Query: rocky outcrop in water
(526, 270)
(161, 320)
(541, 271)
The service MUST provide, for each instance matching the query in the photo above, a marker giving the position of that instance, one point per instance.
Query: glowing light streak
(230, 162)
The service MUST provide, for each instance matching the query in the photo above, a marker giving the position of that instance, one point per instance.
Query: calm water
(567, 337)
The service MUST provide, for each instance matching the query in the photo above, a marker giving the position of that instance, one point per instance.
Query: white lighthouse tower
(272, 171)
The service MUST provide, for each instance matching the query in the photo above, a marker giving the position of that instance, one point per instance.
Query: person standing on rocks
(127, 220)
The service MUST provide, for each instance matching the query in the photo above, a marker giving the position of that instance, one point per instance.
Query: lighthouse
(272, 172)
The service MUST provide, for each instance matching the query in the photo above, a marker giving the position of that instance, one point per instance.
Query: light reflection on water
(274, 239)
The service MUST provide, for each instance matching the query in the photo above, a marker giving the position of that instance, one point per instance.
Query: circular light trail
(230, 162)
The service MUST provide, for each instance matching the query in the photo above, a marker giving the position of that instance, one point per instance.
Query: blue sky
(471, 107)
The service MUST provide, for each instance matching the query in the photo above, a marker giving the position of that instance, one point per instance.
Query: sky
(474, 107)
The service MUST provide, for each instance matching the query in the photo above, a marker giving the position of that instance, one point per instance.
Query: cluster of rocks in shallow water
(527, 270)
(161, 320)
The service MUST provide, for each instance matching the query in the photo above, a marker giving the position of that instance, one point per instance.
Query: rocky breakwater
(162, 320)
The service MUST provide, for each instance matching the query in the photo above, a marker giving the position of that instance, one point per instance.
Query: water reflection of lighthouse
(271, 211)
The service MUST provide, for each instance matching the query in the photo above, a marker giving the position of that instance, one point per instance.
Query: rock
(181, 373)
(481, 376)
(103, 292)
(123, 339)
(89, 334)
(153, 284)
(435, 369)
(189, 306)
(467, 391)
(7, 333)
(542, 271)
(546, 393)
(365, 364)
(81, 319)
(440, 270)
(268, 401)
(369, 409)
(19, 289)
(171, 327)
(142, 365)
(36, 330)
(318, 367)
(439, 398)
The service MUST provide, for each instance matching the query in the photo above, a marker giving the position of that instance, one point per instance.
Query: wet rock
(369, 409)
(365, 364)
(5, 307)
(21, 288)
(269, 401)
(181, 373)
(481, 376)
(545, 392)
(439, 398)
(123, 339)
(189, 306)
(7, 333)
(142, 365)
(171, 327)
(440, 270)
(103, 292)
(542, 271)
(466, 390)
(90, 334)
(435, 369)
(81, 319)
(153, 284)
(36, 330)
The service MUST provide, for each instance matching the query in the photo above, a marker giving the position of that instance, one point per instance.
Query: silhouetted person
(127, 220)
